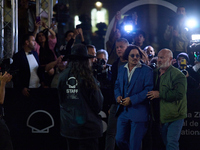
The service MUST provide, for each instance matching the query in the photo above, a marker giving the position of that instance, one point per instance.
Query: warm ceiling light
(98, 4)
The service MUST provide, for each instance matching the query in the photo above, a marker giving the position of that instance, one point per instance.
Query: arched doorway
(139, 3)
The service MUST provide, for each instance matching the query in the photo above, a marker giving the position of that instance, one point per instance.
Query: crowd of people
(143, 86)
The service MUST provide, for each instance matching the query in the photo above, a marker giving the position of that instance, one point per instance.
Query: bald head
(165, 57)
(149, 50)
(166, 52)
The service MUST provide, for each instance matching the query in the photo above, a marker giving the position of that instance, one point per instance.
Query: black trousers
(5, 139)
(83, 144)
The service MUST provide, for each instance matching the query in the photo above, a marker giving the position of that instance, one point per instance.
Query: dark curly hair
(143, 56)
(81, 68)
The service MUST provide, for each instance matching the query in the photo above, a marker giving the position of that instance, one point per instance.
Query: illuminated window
(98, 16)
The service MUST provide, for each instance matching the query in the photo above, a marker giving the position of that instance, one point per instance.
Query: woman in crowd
(45, 45)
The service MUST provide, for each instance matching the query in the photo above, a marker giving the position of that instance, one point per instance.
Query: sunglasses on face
(133, 55)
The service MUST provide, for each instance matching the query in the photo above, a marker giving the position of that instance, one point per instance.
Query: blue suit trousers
(129, 133)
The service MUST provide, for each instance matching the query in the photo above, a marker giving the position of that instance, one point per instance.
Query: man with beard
(26, 62)
(170, 87)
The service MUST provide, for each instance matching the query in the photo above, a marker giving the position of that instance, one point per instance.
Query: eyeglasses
(133, 55)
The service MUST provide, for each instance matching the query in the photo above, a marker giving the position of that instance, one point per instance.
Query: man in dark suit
(26, 63)
(134, 80)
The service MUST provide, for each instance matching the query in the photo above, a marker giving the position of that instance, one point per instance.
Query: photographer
(176, 33)
(70, 39)
(114, 35)
(125, 28)
(139, 39)
(149, 50)
(5, 140)
(191, 75)
(102, 70)
(92, 51)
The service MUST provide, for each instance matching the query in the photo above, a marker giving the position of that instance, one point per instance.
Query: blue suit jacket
(141, 82)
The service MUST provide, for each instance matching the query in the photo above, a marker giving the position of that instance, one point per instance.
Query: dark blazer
(141, 82)
(21, 66)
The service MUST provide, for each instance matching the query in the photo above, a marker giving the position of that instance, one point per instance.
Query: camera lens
(184, 72)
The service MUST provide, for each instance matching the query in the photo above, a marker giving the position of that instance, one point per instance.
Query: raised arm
(53, 34)
(3, 80)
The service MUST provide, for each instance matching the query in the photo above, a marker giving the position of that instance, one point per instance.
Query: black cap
(79, 51)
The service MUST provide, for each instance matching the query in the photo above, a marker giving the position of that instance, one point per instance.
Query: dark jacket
(114, 70)
(21, 67)
(79, 108)
(193, 79)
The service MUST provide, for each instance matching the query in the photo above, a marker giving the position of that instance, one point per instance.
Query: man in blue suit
(134, 80)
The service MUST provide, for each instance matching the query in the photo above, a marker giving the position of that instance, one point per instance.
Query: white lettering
(71, 91)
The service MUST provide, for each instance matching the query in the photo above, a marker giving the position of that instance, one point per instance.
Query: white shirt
(130, 73)
(33, 65)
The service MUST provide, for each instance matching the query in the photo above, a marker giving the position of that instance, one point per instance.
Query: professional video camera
(195, 43)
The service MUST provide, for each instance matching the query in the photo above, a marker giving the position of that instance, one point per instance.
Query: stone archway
(135, 4)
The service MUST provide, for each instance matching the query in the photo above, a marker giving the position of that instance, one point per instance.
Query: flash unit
(128, 28)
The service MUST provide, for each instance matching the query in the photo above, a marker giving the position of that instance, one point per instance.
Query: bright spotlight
(191, 23)
(98, 4)
(128, 28)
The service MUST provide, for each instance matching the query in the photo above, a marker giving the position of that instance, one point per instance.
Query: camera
(38, 19)
(98, 66)
(102, 72)
(127, 25)
(153, 66)
(184, 71)
(5, 66)
(78, 26)
(150, 56)
(183, 66)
